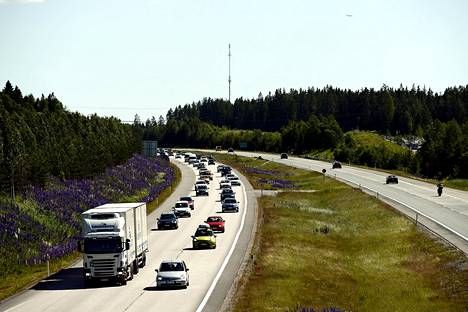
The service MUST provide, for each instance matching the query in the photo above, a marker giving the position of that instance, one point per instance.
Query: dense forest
(397, 111)
(316, 119)
(39, 137)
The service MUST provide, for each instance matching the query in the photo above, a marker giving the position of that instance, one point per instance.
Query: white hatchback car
(182, 208)
(172, 273)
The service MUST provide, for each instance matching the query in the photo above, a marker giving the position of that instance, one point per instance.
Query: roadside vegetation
(44, 223)
(338, 248)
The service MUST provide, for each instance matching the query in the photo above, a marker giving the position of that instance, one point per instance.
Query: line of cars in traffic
(174, 273)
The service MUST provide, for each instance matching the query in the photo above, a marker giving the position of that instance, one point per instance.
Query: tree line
(298, 137)
(315, 119)
(39, 137)
(388, 110)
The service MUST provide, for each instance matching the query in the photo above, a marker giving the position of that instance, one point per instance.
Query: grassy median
(338, 247)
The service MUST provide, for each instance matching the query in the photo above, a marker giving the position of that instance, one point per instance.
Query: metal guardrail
(416, 211)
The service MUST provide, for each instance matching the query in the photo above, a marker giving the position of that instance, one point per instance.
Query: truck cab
(114, 242)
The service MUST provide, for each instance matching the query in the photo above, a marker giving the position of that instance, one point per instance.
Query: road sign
(150, 148)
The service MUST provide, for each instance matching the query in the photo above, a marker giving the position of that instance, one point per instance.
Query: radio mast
(229, 79)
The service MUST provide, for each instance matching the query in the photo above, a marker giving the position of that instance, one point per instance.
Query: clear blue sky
(115, 57)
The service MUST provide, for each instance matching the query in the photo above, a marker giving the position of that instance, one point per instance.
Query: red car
(216, 223)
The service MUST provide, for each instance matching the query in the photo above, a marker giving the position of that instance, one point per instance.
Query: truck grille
(103, 267)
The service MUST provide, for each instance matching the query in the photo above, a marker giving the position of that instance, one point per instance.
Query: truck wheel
(136, 269)
(129, 275)
(143, 260)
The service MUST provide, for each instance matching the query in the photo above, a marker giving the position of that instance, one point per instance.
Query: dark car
(211, 161)
(201, 189)
(230, 150)
(234, 180)
(168, 220)
(284, 156)
(227, 193)
(189, 200)
(336, 165)
(392, 179)
(230, 204)
(225, 170)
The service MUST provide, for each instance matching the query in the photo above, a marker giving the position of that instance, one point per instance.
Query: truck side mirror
(156, 270)
(127, 244)
(79, 247)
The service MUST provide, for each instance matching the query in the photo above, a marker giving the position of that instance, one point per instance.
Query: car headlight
(182, 276)
(160, 278)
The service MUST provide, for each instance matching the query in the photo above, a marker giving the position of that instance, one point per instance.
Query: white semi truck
(115, 242)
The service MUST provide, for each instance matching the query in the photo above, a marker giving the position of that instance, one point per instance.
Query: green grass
(372, 139)
(322, 154)
(301, 179)
(151, 206)
(30, 274)
(339, 247)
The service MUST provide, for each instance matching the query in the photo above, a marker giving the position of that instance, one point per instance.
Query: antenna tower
(229, 79)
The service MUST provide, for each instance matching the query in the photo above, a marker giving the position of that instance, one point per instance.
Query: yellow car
(204, 238)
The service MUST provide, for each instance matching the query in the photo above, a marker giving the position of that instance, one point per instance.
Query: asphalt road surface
(211, 274)
(451, 209)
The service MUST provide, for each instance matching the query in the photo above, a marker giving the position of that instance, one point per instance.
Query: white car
(172, 273)
(234, 181)
(182, 208)
(226, 181)
(223, 186)
(201, 182)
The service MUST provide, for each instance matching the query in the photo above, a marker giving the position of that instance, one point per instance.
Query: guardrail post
(417, 214)
(48, 266)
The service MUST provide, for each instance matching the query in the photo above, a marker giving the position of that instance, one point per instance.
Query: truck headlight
(160, 278)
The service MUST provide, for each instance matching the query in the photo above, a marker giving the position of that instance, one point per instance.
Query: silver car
(172, 273)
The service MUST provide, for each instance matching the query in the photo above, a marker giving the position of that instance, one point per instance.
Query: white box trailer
(115, 241)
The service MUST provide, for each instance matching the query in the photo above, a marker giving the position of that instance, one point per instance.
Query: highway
(451, 209)
(65, 290)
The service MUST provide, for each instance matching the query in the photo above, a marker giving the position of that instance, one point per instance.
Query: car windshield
(228, 191)
(171, 266)
(230, 201)
(167, 216)
(103, 245)
(186, 198)
(202, 186)
(203, 232)
(181, 205)
(215, 219)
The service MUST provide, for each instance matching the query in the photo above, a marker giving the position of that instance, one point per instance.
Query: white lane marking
(16, 306)
(226, 260)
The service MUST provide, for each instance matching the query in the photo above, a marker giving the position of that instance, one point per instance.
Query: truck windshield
(103, 245)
